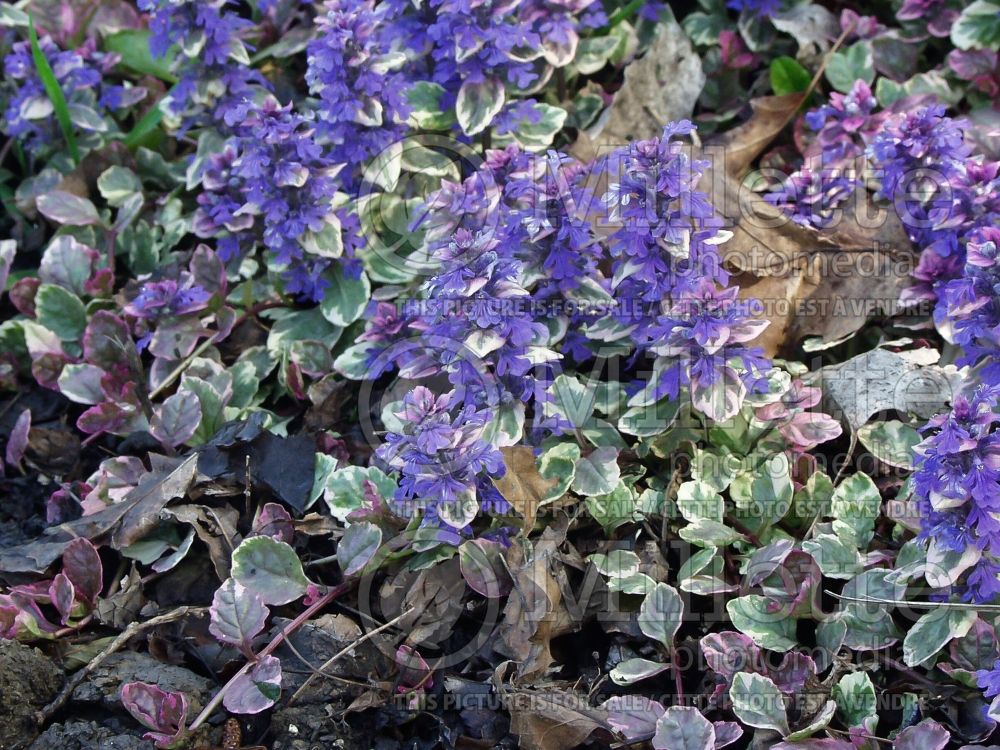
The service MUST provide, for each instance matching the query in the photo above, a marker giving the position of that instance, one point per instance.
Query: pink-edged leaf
(634, 716)
(208, 270)
(358, 546)
(68, 263)
(730, 652)
(927, 735)
(17, 442)
(257, 690)
(160, 710)
(67, 208)
(82, 565)
(483, 569)
(275, 521)
(237, 615)
(808, 429)
(683, 728)
(726, 733)
(108, 417)
(815, 744)
(106, 340)
(176, 420)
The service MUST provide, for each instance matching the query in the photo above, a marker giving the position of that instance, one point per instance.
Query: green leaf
(60, 311)
(357, 547)
(758, 702)
(597, 473)
(631, 671)
(54, 92)
(346, 299)
(133, 46)
(836, 558)
(661, 613)
(613, 509)
(764, 494)
(891, 442)
(978, 26)
(933, 631)
(697, 499)
(67, 208)
(856, 699)
(116, 184)
(855, 507)
(788, 76)
(149, 122)
(684, 728)
(770, 630)
(846, 67)
(344, 489)
(478, 103)
(424, 98)
(270, 568)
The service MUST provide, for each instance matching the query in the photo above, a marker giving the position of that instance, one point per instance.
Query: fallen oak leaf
(522, 485)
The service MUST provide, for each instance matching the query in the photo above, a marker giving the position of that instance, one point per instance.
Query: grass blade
(146, 125)
(54, 92)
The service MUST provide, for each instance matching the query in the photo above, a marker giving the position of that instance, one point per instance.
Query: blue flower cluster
(28, 114)
(212, 63)
(973, 303)
(664, 249)
(758, 8)
(357, 77)
(273, 182)
(957, 488)
(446, 463)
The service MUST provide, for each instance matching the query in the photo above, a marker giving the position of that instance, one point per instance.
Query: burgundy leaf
(62, 594)
(176, 420)
(82, 565)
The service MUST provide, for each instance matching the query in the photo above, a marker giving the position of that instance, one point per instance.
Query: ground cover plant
(500, 373)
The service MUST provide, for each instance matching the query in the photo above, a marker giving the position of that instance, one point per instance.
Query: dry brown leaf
(216, 527)
(521, 484)
(812, 283)
(535, 612)
(662, 85)
(554, 719)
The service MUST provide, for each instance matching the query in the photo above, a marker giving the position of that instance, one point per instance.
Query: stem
(624, 12)
(678, 682)
(280, 638)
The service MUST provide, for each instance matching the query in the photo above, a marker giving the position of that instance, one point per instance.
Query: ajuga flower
(29, 115)
(974, 304)
(476, 322)
(845, 125)
(273, 183)
(212, 64)
(760, 8)
(701, 340)
(357, 77)
(812, 196)
(957, 491)
(446, 463)
(666, 226)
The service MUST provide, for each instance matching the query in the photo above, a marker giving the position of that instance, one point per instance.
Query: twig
(41, 717)
(329, 662)
(916, 605)
(270, 648)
